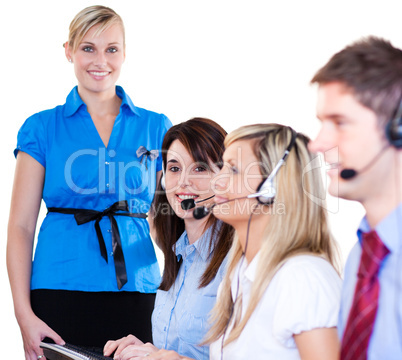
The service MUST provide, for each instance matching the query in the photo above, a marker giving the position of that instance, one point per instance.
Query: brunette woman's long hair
(203, 139)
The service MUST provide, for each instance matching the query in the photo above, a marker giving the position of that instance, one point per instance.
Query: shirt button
(111, 253)
(107, 185)
(106, 163)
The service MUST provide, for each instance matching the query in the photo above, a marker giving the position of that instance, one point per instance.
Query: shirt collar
(203, 245)
(244, 269)
(126, 101)
(244, 274)
(251, 269)
(181, 244)
(389, 229)
(74, 102)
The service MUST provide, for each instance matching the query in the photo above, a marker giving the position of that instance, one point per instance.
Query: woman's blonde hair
(301, 228)
(90, 17)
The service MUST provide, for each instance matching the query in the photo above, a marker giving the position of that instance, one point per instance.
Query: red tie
(364, 307)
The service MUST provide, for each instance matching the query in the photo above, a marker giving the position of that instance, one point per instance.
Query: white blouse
(303, 295)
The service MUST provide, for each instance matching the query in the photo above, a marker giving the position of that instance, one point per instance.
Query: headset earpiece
(268, 192)
(163, 183)
(393, 129)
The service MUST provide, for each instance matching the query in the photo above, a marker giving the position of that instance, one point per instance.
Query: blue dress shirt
(180, 318)
(386, 339)
(82, 173)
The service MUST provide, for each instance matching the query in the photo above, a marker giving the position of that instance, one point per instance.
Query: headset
(267, 189)
(393, 130)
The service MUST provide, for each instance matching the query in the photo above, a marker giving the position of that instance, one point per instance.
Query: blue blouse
(82, 173)
(181, 314)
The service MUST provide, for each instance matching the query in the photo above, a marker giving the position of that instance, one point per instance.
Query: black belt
(83, 216)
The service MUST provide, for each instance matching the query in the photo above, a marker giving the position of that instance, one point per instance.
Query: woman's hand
(131, 348)
(133, 352)
(33, 331)
(149, 351)
(117, 346)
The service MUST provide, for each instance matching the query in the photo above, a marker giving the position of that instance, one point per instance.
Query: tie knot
(373, 253)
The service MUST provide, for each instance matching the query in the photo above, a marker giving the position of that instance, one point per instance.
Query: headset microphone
(347, 174)
(268, 196)
(202, 211)
(189, 204)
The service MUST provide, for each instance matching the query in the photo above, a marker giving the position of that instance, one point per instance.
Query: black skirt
(90, 319)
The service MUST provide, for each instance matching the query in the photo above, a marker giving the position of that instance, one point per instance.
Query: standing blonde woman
(95, 162)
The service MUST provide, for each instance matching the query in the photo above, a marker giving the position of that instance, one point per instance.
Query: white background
(236, 62)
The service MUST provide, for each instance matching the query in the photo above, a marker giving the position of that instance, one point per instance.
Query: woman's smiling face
(98, 59)
(186, 178)
(239, 177)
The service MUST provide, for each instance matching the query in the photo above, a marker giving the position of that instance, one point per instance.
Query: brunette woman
(195, 251)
